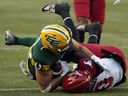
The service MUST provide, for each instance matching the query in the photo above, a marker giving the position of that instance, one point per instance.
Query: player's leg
(98, 13)
(63, 11)
(82, 12)
(11, 39)
(93, 30)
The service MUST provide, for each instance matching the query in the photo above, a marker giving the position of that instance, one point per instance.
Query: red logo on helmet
(76, 81)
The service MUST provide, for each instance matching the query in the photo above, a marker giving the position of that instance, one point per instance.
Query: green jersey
(41, 57)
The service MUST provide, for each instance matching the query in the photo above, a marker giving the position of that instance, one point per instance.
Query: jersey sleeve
(26, 41)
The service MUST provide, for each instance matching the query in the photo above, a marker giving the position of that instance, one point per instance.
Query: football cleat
(80, 27)
(56, 8)
(93, 28)
(49, 8)
(10, 38)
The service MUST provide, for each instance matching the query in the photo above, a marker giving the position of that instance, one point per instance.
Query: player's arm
(26, 41)
(11, 39)
(43, 78)
(46, 81)
(77, 47)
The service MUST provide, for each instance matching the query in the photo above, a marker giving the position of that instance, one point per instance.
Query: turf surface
(24, 18)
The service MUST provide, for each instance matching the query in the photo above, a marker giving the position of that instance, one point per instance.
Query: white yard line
(13, 48)
(123, 47)
(37, 89)
(19, 89)
(24, 48)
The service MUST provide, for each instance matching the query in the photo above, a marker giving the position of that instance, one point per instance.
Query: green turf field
(24, 18)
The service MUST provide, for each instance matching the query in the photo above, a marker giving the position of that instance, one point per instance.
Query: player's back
(42, 57)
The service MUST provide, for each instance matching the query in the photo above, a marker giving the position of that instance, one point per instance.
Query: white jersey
(108, 78)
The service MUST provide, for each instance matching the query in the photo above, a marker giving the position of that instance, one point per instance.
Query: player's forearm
(56, 82)
(86, 52)
(26, 41)
(80, 48)
(77, 47)
(93, 57)
(53, 85)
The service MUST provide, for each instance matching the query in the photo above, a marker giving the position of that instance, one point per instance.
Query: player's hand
(116, 2)
(97, 60)
(64, 67)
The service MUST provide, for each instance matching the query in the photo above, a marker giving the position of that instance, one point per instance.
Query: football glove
(97, 60)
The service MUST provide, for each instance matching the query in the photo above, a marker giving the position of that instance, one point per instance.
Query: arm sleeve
(26, 41)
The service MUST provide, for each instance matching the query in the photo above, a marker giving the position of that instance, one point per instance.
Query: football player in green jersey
(49, 48)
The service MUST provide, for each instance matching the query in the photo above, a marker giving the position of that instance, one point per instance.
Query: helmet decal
(52, 40)
(56, 37)
(59, 31)
(76, 81)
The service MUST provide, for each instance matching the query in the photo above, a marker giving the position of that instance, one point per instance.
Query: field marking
(24, 48)
(13, 48)
(19, 89)
(123, 47)
(37, 89)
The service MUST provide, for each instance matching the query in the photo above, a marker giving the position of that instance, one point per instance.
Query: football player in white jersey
(88, 76)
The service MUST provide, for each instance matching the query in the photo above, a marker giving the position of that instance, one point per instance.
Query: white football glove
(116, 2)
(74, 66)
(64, 67)
(97, 60)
